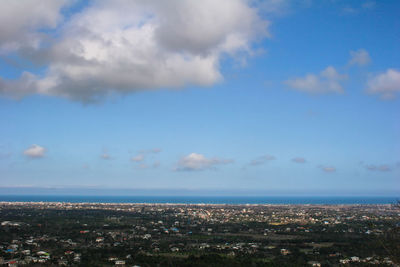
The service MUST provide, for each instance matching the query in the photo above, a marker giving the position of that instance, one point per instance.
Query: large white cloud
(125, 46)
(35, 151)
(327, 81)
(198, 162)
(22, 20)
(386, 84)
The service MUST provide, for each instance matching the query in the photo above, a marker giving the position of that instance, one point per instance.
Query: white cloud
(35, 151)
(299, 160)
(198, 162)
(261, 160)
(327, 81)
(359, 57)
(127, 46)
(387, 84)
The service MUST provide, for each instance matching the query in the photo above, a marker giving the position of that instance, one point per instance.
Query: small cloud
(198, 162)
(261, 160)
(359, 57)
(353, 10)
(138, 158)
(328, 169)
(5, 152)
(368, 5)
(5, 155)
(384, 168)
(381, 168)
(387, 84)
(142, 159)
(311, 113)
(150, 151)
(275, 7)
(105, 156)
(299, 160)
(35, 151)
(349, 10)
(156, 165)
(143, 166)
(370, 167)
(327, 81)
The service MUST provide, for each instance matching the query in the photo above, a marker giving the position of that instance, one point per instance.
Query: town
(105, 234)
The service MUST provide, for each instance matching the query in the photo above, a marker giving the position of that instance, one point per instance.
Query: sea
(329, 200)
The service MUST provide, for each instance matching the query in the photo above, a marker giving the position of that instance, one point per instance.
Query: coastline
(201, 200)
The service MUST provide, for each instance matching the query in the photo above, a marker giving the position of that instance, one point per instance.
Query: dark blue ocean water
(201, 199)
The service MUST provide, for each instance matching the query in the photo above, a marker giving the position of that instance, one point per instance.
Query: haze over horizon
(221, 97)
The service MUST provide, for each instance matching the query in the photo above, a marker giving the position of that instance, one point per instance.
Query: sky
(240, 97)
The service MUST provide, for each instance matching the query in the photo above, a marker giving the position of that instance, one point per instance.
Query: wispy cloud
(382, 168)
(327, 81)
(299, 160)
(198, 162)
(144, 166)
(353, 10)
(138, 158)
(145, 155)
(368, 5)
(4, 152)
(359, 57)
(327, 169)
(377, 167)
(261, 160)
(105, 156)
(5, 155)
(150, 151)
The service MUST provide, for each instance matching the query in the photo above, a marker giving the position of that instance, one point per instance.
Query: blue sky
(261, 97)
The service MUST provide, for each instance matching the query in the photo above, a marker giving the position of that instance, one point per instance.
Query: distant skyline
(207, 97)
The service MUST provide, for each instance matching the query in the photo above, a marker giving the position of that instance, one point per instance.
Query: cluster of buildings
(126, 230)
